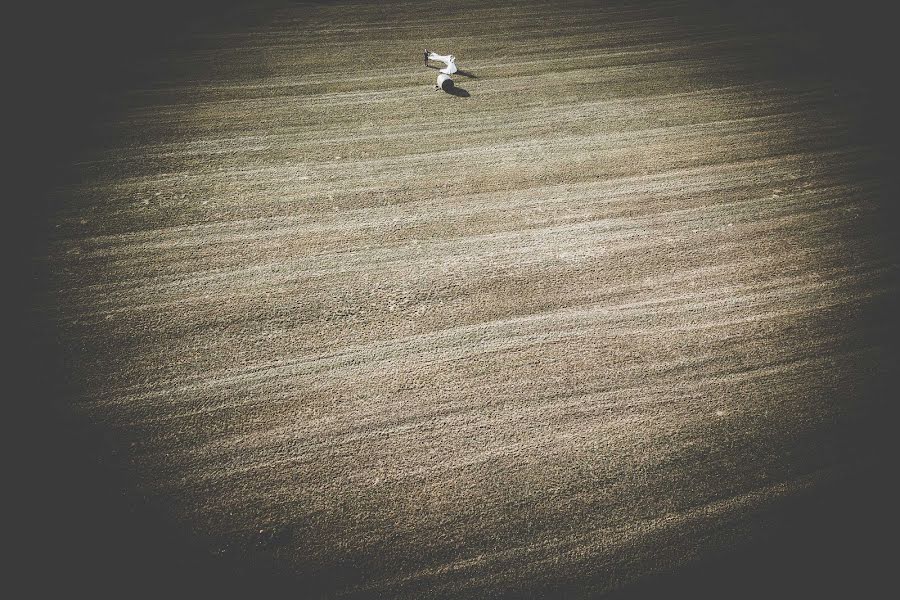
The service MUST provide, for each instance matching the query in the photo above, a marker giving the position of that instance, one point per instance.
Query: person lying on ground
(447, 59)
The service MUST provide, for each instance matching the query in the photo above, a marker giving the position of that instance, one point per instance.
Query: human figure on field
(443, 81)
(447, 59)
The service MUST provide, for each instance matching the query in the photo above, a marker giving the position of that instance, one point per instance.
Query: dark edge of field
(77, 527)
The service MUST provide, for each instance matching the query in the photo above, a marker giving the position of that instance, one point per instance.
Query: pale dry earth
(587, 323)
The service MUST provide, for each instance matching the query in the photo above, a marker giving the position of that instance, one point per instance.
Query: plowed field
(592, 319)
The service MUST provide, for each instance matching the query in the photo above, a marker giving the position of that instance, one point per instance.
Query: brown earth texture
(596, 317)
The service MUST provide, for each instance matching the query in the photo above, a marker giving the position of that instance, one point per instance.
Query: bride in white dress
(447, 59)
(443, 81)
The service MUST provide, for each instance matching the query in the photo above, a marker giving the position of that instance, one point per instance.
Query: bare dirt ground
(594, 320)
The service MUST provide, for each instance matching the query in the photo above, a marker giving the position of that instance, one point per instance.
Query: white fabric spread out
(448, 59)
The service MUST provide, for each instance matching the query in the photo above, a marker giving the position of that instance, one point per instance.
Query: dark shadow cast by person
(449, 87)
(458, 92)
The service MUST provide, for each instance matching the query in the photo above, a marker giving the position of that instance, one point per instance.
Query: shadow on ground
(458, 92)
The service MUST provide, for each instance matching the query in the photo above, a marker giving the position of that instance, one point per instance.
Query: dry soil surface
(586, 320)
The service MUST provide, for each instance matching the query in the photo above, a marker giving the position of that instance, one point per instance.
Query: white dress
(448, 59)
